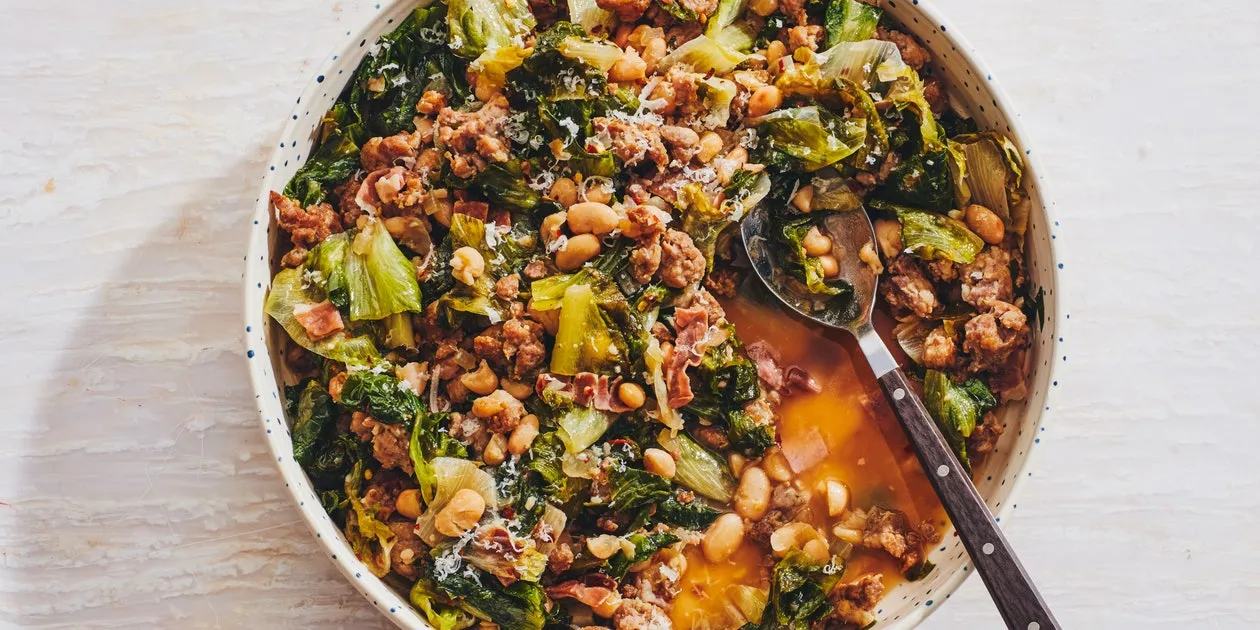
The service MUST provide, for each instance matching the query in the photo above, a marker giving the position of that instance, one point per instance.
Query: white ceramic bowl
(972, 85)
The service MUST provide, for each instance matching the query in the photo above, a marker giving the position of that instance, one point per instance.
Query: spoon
(1017, 599)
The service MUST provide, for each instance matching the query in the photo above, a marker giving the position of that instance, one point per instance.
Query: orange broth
(848, 428)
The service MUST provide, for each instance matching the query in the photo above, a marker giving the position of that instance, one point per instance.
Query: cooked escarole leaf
(702, 220)
(290, 290)
(907, 94)
(694, 514)
(380, 279)
(868, 63)
(452, 474)
(704, 55)
(697, 468)
(430, 440)
(580, 427)
(328, 259)
(645, 545)
(850, 21)
(370, 539)
(326, 456)
(931, 236)
(521, 605)
(790, 234)
(920, 180)
(477, 26)
(599, 53)
(437, 611)
(814, 137)
(382, 396)
(381, 99)
(798, 593)
(957, 408)
(332, 162)
(504, 184)
(592, 19)
(479, 298)
(585, 342)
(994, 169)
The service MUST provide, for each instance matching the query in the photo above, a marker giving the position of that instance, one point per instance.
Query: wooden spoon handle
(1012, 590)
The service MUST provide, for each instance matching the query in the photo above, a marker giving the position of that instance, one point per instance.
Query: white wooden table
(136, 487)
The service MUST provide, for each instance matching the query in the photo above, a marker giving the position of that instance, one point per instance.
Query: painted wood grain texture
(136, 488)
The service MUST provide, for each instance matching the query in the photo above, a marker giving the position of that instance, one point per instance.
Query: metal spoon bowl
(1017, 598)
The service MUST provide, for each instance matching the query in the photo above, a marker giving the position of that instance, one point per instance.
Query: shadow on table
(145, 496)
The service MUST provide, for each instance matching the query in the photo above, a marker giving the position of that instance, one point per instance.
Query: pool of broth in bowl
(848, 428)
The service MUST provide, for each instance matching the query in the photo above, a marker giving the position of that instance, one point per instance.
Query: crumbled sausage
(645, 258)
(935, 95)
(985, 436)
(908, 288)
(987, 279)
(940, 352)
(761, 529)
(723, 282)
(991, 337)
(522, 340)
(912, 52)
(890, 530)
(711, 436)
(500, 410)
(855, 600)
(627, 11)
(397, 150)
(390, 442)
(560, 558)
(307, 227)
(536, 270)
(636, 614)
(702, 8)
(806, 36)
(345, 195)
(699, 297)
(682, 263)
(407, 553)
(432, 101)
(633, 142)
(508, 287)
(474, 139)
(794, 9)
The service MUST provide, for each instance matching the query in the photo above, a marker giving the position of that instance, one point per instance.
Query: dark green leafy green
(790, 234)
(644, 546)
(957, 408)
(694, 514)
(519, 606)
(505, 186)
(324, 454)
(798, 593)
(383, 396)
(921, 180)
(332, 162)
(748, 436)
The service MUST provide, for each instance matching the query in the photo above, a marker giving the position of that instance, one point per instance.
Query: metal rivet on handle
(1034, 626)
(988, 550)
(899, 393)
(942, 471)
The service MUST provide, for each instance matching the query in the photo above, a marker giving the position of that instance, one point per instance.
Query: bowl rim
(397, 608)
